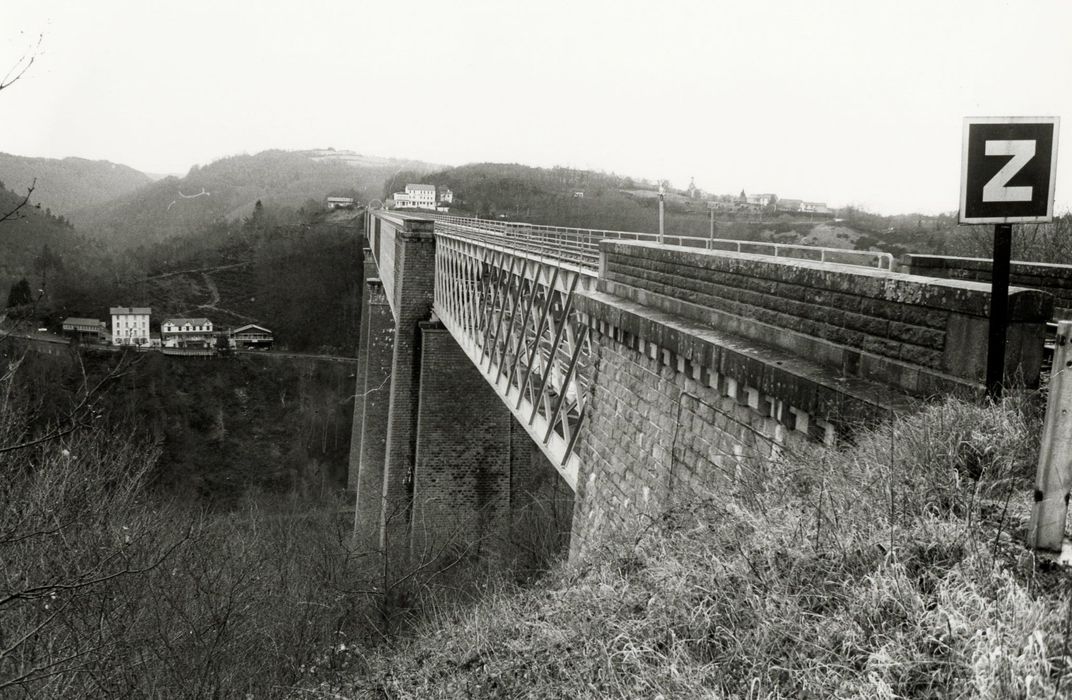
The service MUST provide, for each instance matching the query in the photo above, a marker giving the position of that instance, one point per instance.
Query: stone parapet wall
(662, 427)
(921, 335)
(1048, 277)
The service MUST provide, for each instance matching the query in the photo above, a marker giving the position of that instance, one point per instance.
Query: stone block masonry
(368, 272)
(413, 285)
(479, 484)
(921, 335)
(661, 427)
(708, 365)
(379, 353)
(1048, 277)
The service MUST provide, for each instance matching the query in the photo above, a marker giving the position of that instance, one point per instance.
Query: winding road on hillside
(215, 292)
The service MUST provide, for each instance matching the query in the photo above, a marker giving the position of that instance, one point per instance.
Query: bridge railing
(582, 245)
(510, 307)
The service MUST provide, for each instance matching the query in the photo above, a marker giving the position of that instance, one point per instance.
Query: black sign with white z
(1008, 170)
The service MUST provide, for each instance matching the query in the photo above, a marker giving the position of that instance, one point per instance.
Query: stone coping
(820, 391)
(959, 296)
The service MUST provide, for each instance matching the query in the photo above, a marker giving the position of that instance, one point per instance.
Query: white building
(760, 200)
(446, 196)
(416, 197)
(340, 202)
(185, 332)
(130, 325)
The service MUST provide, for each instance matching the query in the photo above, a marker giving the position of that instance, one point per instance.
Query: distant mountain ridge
(359, 160)
(228, 188)
(67, 185)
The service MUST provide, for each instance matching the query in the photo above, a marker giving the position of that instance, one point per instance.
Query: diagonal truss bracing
(512, 313)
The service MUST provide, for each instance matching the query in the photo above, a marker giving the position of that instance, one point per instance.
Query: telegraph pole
(661, 196)
(711, 238)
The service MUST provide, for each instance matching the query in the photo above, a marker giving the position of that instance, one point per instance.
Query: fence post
(1047, 527)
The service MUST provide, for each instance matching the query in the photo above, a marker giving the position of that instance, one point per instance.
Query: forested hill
(226, 190)
(70, 184)
(31, 240)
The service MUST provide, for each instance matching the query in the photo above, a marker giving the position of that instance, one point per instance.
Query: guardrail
(581, 245)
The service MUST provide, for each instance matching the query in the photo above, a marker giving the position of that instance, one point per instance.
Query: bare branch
(21, 66)
(75, 418)
(14, 213)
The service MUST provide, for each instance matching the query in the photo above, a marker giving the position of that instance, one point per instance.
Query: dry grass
(890, 569)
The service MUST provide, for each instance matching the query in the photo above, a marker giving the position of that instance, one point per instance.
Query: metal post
(661, 195)
(1054, 478)
(999, 311)
(712, 236)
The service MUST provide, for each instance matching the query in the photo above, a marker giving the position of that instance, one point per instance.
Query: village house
(87, 330)
(250, 337)
(187, 332)
(759, 200)
(814, 207)
(130, 325)
(446, 196)
(416, 197)
(340, 202)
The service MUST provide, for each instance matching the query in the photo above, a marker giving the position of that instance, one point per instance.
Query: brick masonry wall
(414, 274)
(1048, 277)
(461, 479)
(838, 315)
(541, 502)
(657, 430)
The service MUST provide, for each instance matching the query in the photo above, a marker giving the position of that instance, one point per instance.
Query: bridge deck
(505, 292)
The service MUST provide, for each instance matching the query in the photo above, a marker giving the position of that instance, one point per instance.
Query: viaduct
(516, 378)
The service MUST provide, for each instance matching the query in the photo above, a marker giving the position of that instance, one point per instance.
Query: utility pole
(711, 238)
(662, 195)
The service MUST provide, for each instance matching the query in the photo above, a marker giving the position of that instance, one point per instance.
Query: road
(298, 356)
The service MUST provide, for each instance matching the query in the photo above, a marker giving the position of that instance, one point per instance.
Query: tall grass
(893, 568)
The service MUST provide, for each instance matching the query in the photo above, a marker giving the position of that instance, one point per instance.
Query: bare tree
(25, 201)
(10, 78)
(22, 64)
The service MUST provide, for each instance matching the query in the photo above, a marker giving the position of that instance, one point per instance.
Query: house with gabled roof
(187, 332)
(252, 336)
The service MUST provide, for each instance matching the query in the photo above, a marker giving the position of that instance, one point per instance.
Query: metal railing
(581, 245)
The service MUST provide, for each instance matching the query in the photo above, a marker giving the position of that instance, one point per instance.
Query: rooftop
(184, 321)
(128, 310)
(250, 326)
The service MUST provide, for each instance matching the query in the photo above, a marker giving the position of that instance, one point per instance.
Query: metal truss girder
(512, 314)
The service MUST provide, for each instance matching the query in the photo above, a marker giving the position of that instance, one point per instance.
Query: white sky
(847, 102)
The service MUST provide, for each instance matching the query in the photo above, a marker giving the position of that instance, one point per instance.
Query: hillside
(24, 239)
(226, 190)
(588, 199)
(894, 568)
(277, 268)
(70, 184)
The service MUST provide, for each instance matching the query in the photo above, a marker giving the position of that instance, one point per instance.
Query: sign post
(1007, 176)
(1053, 481)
